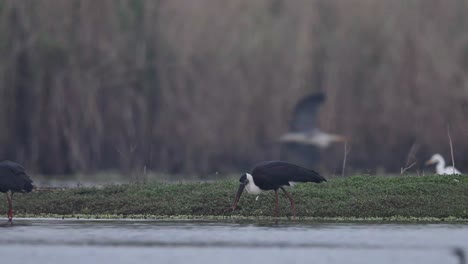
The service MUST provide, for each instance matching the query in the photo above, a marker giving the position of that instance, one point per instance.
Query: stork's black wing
(13, 177)
(271, 173)
(13, 166)
(305, 113)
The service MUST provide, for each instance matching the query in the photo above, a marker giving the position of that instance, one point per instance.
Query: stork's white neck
(440, 167)
(251, 187)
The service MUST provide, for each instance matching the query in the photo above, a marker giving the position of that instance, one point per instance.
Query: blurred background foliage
(203, 86)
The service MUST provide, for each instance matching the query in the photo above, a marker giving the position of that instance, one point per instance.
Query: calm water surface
(140, 241)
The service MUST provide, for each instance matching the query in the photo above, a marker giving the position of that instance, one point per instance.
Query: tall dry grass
(204, 86)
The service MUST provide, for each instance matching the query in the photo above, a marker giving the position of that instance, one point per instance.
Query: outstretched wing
(305, 113)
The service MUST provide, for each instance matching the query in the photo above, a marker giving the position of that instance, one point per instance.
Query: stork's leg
(292, 202)
(8, 201)
(10, 207)
(276, 204)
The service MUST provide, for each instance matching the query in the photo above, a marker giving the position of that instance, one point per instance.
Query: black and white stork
(274, 175)
(13, 178)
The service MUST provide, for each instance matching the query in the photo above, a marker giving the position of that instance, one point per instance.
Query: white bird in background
(304, 128)
(440, 165)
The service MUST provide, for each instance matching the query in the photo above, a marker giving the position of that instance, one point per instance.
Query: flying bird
(440, 165)
(304, 129)
(274, 175)
(13, 178)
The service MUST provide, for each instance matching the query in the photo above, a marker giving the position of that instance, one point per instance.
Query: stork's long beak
(339, 138)
(238, 195)
(429, 162)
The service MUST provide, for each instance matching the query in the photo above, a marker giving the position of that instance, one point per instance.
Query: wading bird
(440, 165)
(273, 175)
(13, 178)
(304, 129)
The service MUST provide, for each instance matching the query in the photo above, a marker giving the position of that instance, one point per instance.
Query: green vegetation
(360, 197)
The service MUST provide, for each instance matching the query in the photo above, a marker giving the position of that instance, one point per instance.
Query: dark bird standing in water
(273, 175)
(13, 178)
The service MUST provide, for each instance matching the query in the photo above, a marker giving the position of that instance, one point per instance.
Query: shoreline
(356, 198)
